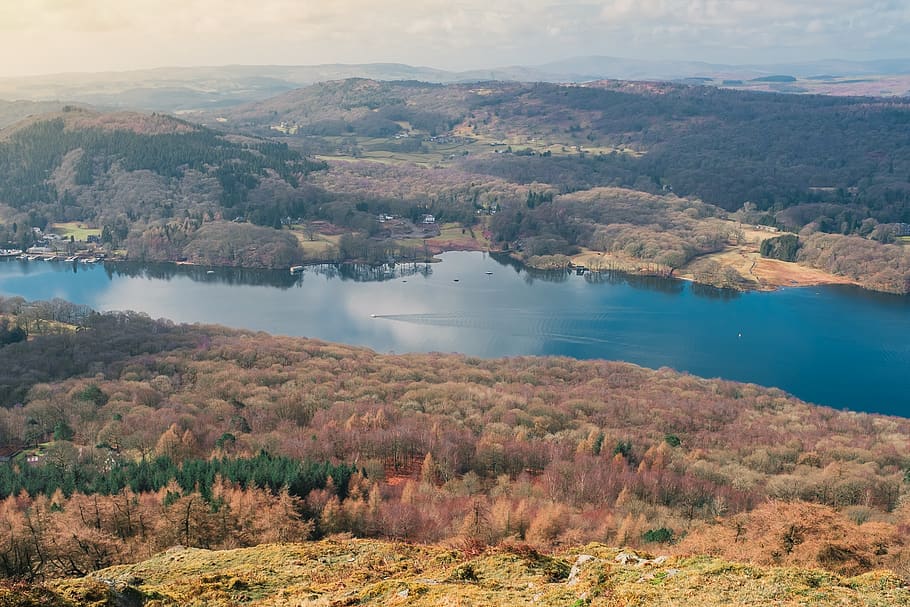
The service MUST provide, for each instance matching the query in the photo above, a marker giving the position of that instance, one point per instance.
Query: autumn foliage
(445, 449)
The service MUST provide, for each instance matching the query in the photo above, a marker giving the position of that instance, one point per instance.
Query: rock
(576, 568)
(629, 557)
(121, 594)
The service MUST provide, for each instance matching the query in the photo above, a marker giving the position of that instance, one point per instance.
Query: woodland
(132, 435)
(644, 171)
(133, 448)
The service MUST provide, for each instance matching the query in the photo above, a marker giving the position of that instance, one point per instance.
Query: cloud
(105, 34)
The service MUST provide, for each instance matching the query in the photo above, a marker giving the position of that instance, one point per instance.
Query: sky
(52, 36)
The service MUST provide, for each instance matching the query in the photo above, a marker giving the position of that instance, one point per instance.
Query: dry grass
(364, 572)
(319, 246)
(454, 237)
(757, 271)
(40, 327)
(597, 261)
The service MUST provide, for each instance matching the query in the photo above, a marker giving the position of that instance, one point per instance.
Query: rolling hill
(726, 147)
(179, 89)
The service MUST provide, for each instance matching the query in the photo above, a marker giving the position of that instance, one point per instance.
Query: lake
(839, 346)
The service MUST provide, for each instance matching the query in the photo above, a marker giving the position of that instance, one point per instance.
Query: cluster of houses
(765, 228)
(53, 247)
(9, 452)
(426, 219)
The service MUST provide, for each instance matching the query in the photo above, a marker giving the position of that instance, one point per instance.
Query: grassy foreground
(367, 572)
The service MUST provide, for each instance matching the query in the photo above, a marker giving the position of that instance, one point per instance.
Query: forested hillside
(644, 178)
(144, 175)
(541, 166)
(89, 157)
(726, 147)
(138, 434)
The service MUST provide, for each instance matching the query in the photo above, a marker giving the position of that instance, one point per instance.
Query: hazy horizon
(66, 36)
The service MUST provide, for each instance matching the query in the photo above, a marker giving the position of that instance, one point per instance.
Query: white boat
(210, 272)
(296, 269)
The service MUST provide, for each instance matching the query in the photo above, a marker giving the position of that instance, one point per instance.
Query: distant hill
(776, 78)
(727, 147)
(195, 88)
(127, 171)
(179, 89)
(829, 164)
(12, 112)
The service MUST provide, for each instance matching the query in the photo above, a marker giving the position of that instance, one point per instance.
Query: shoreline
(771, 274)
(764, 274)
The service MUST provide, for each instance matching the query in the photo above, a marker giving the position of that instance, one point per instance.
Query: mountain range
(190, 88)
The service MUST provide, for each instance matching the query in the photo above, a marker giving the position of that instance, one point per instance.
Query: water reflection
(364, 273)
(714, 292)
(228, 276)
(837, 346)
(370, 273)
(890, 300)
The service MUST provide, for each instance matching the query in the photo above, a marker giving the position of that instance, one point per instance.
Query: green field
(433, 154)
(320, 247)
(79, 231)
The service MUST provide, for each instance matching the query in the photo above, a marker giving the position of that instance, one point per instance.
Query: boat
(71, 259)
(454, 280)
(210, 272)
(488, 273)
(296, 269)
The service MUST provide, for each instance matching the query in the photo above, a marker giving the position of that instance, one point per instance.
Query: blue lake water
(839, 346)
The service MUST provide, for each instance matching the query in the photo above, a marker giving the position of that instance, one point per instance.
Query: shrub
(658, 536)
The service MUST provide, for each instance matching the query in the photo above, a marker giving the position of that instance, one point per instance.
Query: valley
(378, 334)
